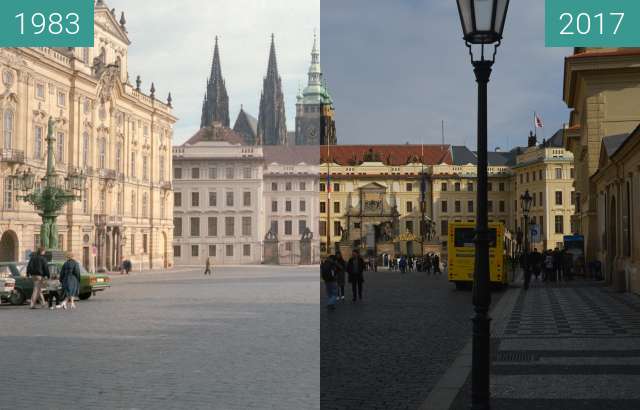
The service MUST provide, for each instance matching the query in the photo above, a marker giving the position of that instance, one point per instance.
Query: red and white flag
(539, 123)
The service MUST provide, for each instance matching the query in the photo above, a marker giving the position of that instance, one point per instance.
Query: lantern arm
(475, 60)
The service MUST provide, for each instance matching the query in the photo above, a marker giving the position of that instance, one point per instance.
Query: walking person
(436, 264)
(207, 267)
(37, 270)
(328, 273)
(341, 268)
(355, 269)
(126, 264)
(70, 278)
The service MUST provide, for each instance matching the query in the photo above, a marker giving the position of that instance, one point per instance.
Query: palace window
(409, 226)
(444, 227)
(40, 94)
(443, 187)
(501, 186)
(458, 206)
(322, 227)
(60, 148)
(540, 175)
(572, 173)
(213, 199)
(85, 149)
(62, 98)
(470, 186)
(229, 226)
(470, 206)
(456, 187)
(274, 186)
(409, 187)
(8, 129)
(8, 194)
(177, 173)
(195, 250)
(37, 146)
(443, 206)
(195, 173)
(119, 156)
(336, 207)
(409, 206)
(230, 173)
(133, 203)
(213, 173)
(212, 226)
(246, 226)
(145, 205)
(489, 186)
(230, 199)
(195, 199)
(323, 207)
(559, 222)
(322, 187)
(558, 197)
(102, 148)
(195, 226)
(501, 206)
(212, 251)
(288, 227)
(558, 173)
(274, 227)
(161, 168)
(177, 251)
(177, 199)
(246, 250)
(303, 206)
(274, 206)
(229, 250)
(246, 198)
(177, 227)
(246, 173)
(287, 186)
(490, 206)
(287, 206)
(573, 198)
(303, 186)
(336, 187)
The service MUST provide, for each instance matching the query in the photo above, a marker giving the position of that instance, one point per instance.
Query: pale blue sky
(396, 69)
(172, 45)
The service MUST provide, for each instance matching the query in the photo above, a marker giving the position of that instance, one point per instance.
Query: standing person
(54, 290)
(527, 260)
(37, 270)
(548, 267)
(207, 267)
(537, 262)
(341, 267)
(328, 273)
(436, 264)
(355, 268)
(70, 278)
(403, 264)
(557, 264)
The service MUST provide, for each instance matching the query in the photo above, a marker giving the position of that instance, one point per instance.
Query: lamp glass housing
(483, 20)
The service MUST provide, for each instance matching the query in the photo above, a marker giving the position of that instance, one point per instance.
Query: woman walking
(70, 278)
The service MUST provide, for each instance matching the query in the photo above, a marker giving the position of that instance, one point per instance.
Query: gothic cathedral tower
(315, 124)
(272, 123)
(215, 107)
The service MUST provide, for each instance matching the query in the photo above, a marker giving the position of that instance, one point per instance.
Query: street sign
(534, 230)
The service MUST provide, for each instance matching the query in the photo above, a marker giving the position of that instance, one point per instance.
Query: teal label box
(46, 23)
(592, 23)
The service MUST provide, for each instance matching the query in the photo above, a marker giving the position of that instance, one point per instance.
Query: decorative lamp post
(482, 25)
(52, 195)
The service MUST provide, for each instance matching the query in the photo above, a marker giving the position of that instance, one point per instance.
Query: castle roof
(388, 154)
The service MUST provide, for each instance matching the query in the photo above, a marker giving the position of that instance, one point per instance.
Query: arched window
(8, 129)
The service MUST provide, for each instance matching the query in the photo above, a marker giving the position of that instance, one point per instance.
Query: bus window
(464, 237)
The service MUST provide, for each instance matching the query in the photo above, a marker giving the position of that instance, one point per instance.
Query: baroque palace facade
(380, 195)
(602, 88)
(120, 136)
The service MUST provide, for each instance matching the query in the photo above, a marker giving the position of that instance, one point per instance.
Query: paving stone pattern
(569, 346)
(246, 338)
(389, 351)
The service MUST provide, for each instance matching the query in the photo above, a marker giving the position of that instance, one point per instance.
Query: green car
(90, 283)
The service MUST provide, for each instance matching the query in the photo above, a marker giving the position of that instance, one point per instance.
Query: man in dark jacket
(355, 269)
(328, 273)
(37, 270)
(341, 267)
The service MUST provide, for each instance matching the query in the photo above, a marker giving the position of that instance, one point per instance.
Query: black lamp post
(482, 25)
(525, 201)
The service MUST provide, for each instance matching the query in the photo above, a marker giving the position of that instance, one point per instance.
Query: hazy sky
(397, 68)
(172, 45)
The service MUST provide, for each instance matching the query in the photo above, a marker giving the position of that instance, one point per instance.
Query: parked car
(7, 285)
(90, 283)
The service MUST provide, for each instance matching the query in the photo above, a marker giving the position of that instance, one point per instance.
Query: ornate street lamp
(52, 196)
(525, 201)
(482, 24)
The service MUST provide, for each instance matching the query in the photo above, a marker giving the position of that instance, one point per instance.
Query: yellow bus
(461, 255)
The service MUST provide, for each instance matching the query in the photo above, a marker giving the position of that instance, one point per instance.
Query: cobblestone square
(246, 338)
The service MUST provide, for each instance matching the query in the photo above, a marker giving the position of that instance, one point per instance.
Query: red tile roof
(388, 154)
(605, 53)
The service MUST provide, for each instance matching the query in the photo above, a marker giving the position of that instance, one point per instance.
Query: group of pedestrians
(65, 286)
(429, 263)
(550, 266)
(334, 271)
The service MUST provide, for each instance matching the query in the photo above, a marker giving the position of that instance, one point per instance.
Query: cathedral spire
(272, 123)
(215, 107)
